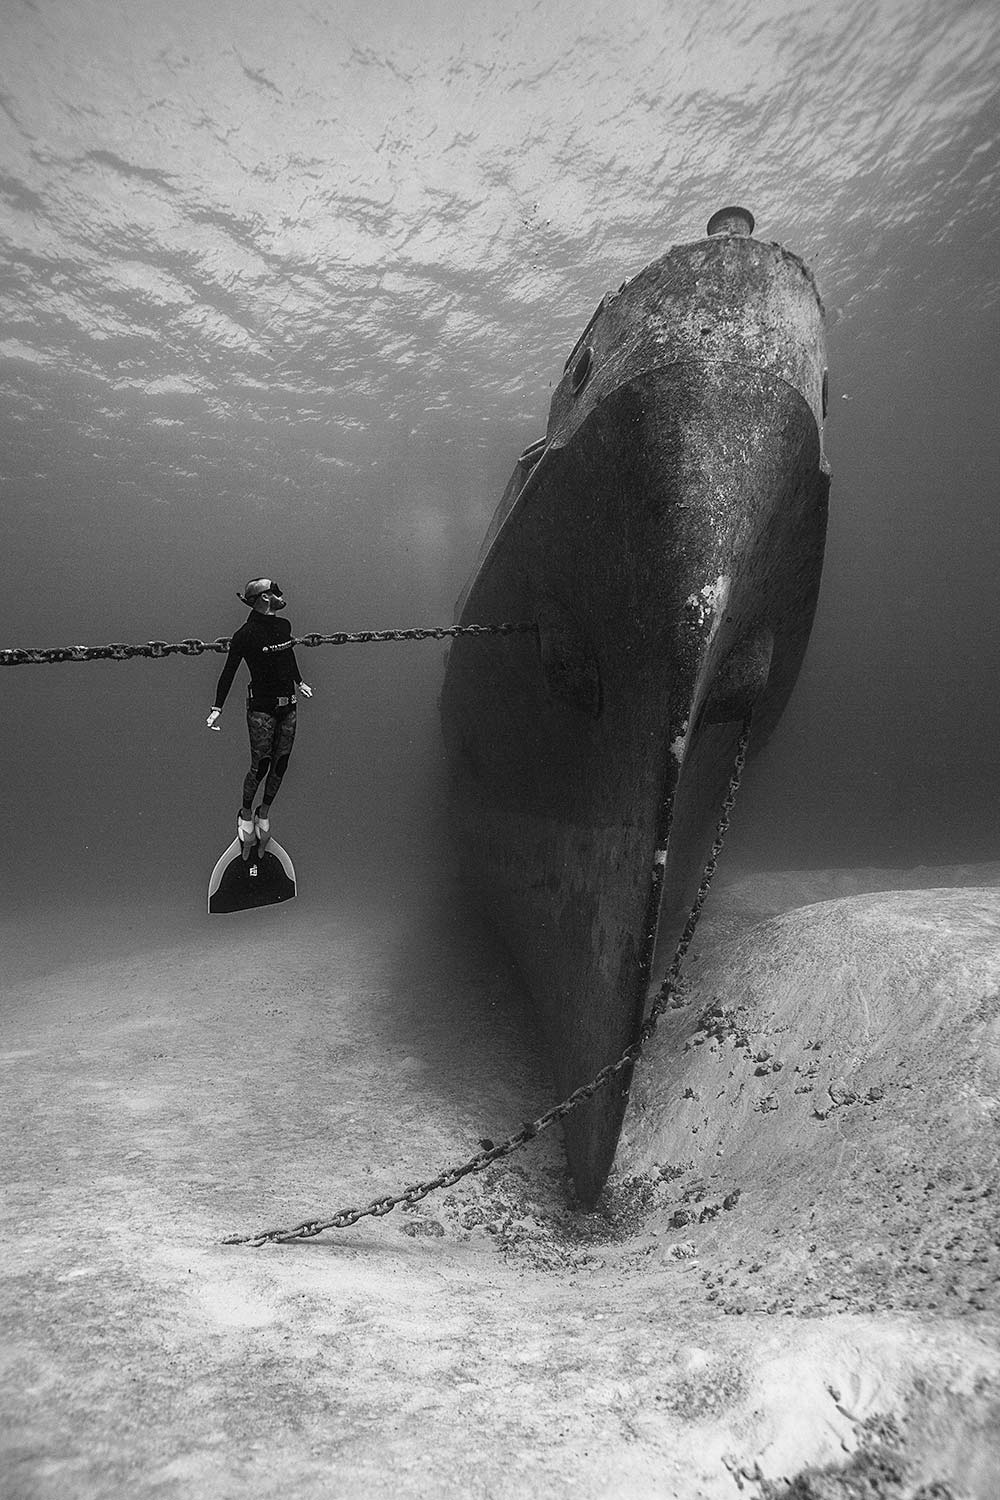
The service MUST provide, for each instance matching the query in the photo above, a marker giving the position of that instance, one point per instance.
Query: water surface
(286, 287)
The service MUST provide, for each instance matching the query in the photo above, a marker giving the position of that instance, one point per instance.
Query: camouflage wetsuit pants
(271, 739)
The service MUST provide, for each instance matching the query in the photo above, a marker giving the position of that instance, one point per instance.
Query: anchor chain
(35, 656)
(666, 997)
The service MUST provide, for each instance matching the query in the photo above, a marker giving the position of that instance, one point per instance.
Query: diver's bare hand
(210, 721)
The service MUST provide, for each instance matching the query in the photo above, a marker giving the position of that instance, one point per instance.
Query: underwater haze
(286, 288)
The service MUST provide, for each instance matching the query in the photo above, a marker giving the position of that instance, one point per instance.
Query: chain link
(666, 997)
(36, 656)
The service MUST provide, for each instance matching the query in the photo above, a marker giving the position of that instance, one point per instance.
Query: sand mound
(767, 892)
(823, 1115)
(838, 1067)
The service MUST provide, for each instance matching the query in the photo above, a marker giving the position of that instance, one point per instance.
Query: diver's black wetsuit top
(264, 643)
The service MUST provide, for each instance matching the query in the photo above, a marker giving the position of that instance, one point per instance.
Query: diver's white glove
(304, 689)
(210, 721)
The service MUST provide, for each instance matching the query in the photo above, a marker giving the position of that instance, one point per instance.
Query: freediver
(264, 642)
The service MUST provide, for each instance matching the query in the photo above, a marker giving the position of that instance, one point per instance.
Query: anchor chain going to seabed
(666, 996)
(37, 656)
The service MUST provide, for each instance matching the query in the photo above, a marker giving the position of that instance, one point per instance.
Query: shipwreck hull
(667, 541)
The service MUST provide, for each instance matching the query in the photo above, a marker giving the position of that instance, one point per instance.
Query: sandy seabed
(792, 1288)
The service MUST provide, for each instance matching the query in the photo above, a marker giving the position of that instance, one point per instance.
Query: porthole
(581, 370)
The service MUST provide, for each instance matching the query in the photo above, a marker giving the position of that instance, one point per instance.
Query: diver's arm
(226, 680)
(228, 672)
(303, 687)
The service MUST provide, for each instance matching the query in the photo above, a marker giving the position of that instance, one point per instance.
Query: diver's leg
(261, 727)
(284, 738)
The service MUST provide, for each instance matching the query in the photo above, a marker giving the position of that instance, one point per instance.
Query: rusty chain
(666, 997)
(35, 656)
(17, 656)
